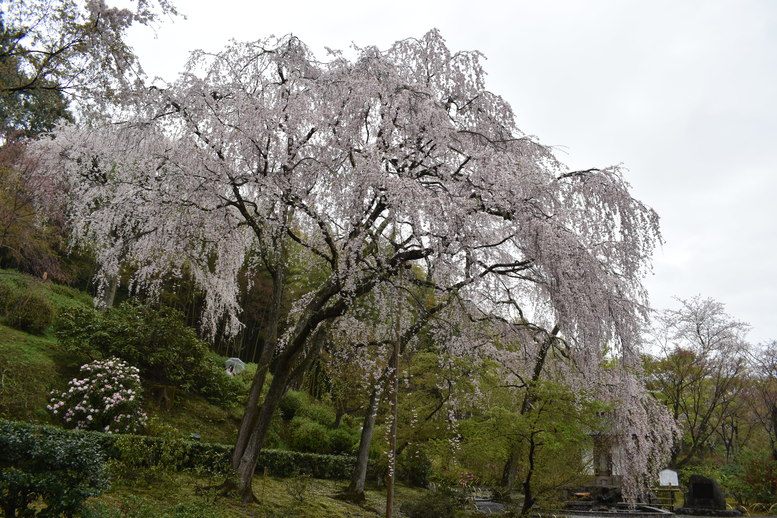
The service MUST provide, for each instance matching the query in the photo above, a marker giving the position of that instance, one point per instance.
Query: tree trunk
(246, 463)
(109, 294)
(773, 415)
(355, 491)
(392, 464)
(528, 495)
(293, 361)
(252, 411)
(510, 470)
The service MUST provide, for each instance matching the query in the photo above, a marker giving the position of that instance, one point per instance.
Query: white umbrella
(235, 366)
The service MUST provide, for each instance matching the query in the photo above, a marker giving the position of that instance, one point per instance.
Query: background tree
(699, 373)
(762, 392)
(56, 51)
(28, 111)
(31, 217)
(357, 168)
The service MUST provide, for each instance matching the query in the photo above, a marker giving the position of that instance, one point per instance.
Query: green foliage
(309, 426)
(299, 486)
(154, 339)
(439, 504)
(319, 413)
(291, 403)
(281, 463)
(759, 475)
(153, 458)
(25, 310)
(177, 454)
(414, 468)
(309, 436)
(62, 470)
(29, 111)
(79, 329)
(752, 479)
(342, 441)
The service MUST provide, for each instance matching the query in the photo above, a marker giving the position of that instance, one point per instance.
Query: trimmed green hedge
(63, 470)
(178, 454)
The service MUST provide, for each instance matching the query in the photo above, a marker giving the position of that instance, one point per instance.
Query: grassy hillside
(32, 365)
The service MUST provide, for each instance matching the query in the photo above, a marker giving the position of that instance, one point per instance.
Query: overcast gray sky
(682, 93)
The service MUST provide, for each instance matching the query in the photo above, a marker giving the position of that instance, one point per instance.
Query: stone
(704, 493)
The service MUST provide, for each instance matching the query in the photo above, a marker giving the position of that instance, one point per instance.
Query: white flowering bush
(106, 398)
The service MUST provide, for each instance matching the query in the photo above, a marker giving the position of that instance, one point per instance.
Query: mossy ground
(185, 495)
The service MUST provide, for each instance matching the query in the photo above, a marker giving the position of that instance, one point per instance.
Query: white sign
(667, 477)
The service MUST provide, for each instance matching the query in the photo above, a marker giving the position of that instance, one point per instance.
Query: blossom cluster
(105, 398)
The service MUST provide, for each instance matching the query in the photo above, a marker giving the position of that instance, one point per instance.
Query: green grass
(192, 414)
(30, 367)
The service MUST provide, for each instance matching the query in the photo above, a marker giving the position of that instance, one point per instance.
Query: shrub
(414, 468)
(299, 486)
(79, 330)
(157, 341)
(135, 451)
(753, 480)
(342, 441)
(439, 504)
(283, 463)
(28, 311)
(291, 403)
(62, 470)
(107, 398)
(158, 456)
(319, 413)
(309, 436)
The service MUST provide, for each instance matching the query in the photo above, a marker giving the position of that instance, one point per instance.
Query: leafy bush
(136, 451)
(62, 470)
(282, 463)
(310, 436)
(79, 328)
(439, 504)
(291, 403)
(752, 480)
(321, 414)
(107, 398)
(156, 457)
(28, 311)
(342, 441)
(414, 468)
(157, 341)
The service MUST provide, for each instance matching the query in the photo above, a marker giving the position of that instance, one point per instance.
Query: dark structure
(705, 497)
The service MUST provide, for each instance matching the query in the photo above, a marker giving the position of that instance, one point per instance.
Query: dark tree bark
(263, 366)
(510, 471)
(355, 491)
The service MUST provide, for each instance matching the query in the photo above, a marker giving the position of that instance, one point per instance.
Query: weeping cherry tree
(359, 168)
